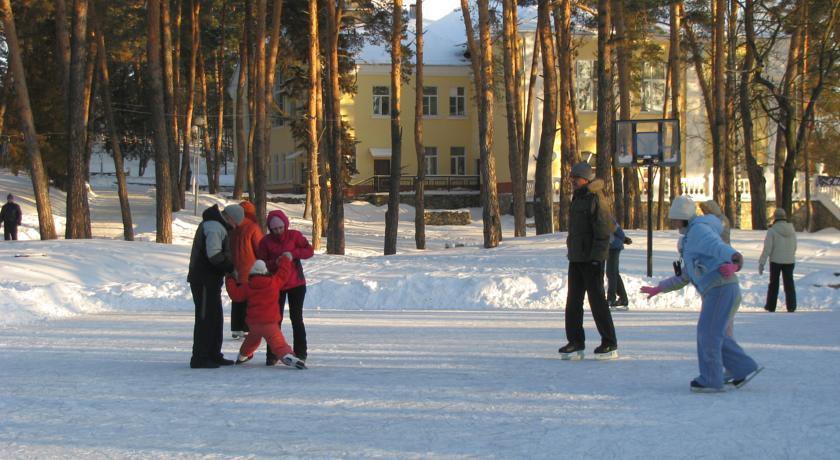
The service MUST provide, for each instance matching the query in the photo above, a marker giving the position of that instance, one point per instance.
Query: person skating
(615, 285)
(10, 218)
(244, 244)
(590, 230)
(261, 293)
(282, 239)
(210, 260)
(780, 248)
(710, 265)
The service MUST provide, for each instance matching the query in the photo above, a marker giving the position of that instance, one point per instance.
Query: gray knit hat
(780, 214)
(235, 212)
(583, 170)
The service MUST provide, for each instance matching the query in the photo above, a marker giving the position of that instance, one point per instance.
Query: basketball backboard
(642, 141)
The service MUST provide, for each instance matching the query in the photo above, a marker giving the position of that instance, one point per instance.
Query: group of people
(260, 272)
(707, 261)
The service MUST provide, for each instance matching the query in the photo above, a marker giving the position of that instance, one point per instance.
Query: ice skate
(605, 352)
(696, 387)
(571, 352)
(293, 361)
(738, 383)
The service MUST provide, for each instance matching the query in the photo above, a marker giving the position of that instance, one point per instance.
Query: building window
(430, 101)
(586, 85)
(458, 161)
(653, 87)
(381, 101)
(458, 102)
(431, 160)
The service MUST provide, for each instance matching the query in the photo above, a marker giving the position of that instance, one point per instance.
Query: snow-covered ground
(449, 352)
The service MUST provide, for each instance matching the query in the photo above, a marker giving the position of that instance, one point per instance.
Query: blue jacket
(703, 252)
(617, 241)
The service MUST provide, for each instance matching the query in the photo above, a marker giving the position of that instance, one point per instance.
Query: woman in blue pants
(710, 265)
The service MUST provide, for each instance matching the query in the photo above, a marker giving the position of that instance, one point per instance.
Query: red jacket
(262, 292)
(244, 244)
(272, 246)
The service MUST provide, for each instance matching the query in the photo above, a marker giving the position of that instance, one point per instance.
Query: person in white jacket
(780, 248)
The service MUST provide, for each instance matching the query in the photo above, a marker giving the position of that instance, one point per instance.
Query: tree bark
(490, 198)
(40, 184)
(677, 94)
(77, 209)
(755, 173)
(107, 104)
(392, 215)
(730, 163)
(270, 76)
(221, 157)
(719, 147)
(529, 107)
(626, 210)
(241, 107)
(514, 132)
(314, 186)
(260, 102)
(163, 183)
(209, 158)
(604, 135)
(568, 123)
(335, 231)
(420, 180)
(543, 206)
(195, 44)
(170, 98)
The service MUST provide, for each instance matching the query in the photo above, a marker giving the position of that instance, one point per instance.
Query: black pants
(786, 271)
(237, 316)
(9, 232)
(586, 278)
(209, 319)
(614, 282)
(296, 296)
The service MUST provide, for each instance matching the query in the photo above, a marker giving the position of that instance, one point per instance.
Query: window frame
(459, 159)
(651, 78)
(380, 100)
(589, 84)
(431, 156)
(430, 101)
(455, 99)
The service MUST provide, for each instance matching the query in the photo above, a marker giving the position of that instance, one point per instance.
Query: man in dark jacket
(10, 217)
(590, 230)
(210, 260)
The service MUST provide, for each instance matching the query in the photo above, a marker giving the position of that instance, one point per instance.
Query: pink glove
(738, 260)
(728, 270)
(651, 290)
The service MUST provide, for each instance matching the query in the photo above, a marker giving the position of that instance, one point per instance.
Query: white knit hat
(682, 208)
(259, 268)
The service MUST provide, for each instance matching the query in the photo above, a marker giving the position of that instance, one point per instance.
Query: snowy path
(416, 384)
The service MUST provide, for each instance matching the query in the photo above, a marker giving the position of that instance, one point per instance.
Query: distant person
(711, 207)
(10, 217)
(244, 244)
(587, 243)
(710, 265)
(780, 248)
(615, 285)
(281, 239)
(262, 293)
(210, 260)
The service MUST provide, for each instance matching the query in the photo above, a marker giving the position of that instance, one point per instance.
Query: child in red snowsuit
(263, 317)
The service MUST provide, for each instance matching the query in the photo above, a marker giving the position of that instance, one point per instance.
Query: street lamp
(199, 123)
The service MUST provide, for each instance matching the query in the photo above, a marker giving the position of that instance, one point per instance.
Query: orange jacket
(262, 292)
(244, 243)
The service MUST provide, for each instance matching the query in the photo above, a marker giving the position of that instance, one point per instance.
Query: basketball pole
(650, 220)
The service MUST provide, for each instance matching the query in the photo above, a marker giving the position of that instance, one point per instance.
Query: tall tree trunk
(803, 103)
(40, 184)
(529, 106)
(519, 182)
(755, 173)
(335, 242)
(218, 152)
(543, 206)
(490, 198)
(260, 102)
(604, 135)
(77, 209)
(241, 107)
(392, 215)
(568, 124)
(107, 104)
(163, 183)
(514, 132)
(62, 36)
(629, 210)
(719, 147)
(268, 87)
(730, 164)
(676, 85)
(170, 97)
(195, 44)
(314, 185)
(472, 47)
(209, 158)
(420, 180)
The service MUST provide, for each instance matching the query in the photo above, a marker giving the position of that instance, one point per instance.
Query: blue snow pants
(715, 349)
